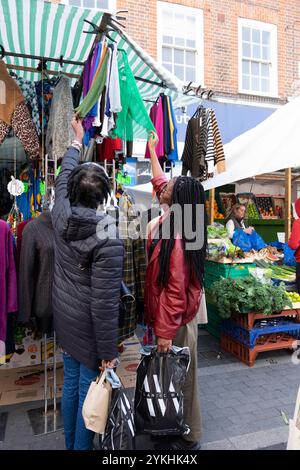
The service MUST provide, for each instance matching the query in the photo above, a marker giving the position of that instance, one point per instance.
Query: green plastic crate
(214, 321)
(233, 271)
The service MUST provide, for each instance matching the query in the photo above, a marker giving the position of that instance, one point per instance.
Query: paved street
(241, 406)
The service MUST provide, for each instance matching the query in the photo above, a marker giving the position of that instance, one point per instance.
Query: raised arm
(155, 165)
(62, 208)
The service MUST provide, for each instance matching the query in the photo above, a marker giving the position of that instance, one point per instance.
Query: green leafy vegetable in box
(217, 232)
(247, 294)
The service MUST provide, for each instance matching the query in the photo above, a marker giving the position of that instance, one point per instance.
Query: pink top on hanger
(157, 117)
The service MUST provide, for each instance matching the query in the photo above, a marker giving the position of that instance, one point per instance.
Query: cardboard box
(27, 384)
(129, 361)
(28, 350)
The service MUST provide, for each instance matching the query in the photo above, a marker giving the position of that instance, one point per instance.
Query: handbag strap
(101, 378)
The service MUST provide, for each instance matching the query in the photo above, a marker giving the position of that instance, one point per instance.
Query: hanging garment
(157, 118)
(60, 134)
(29, 93)
(88, 76)
(134, 274)
(8, 281)
(173, 156)
(112, 98)
(24, 129)
(10, 95)
(20, 229)
(96, 89)
(114, 88)
(106, 150)
(193, 157)
(44, 92)
(167, 130)
(30, 201)
(216, 156)
(36, 272)
(133, 108)
(101, 119)
(203, 150)
(5, 198)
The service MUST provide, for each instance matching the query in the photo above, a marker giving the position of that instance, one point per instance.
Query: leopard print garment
(24, 129)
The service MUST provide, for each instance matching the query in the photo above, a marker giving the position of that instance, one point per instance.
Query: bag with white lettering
(120, 430)
(158, 404)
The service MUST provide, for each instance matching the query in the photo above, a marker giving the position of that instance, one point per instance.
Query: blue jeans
(77, 380)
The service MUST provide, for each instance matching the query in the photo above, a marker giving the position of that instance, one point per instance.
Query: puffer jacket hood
(85, 222)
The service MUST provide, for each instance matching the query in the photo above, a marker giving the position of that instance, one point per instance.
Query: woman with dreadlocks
(87, 280)
(174, 280)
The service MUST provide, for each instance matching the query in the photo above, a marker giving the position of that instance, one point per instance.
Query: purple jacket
(8, 278)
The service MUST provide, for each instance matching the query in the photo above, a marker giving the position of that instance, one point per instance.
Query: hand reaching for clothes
(153, 140)
(77, 128)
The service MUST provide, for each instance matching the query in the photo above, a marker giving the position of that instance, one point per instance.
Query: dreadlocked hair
(188, 193)
(89, 185)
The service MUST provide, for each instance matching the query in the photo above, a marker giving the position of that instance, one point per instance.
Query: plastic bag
(289, 255)
(158, 403)
(248, 242)
(120, 432)
(242, 240)
(256, 241)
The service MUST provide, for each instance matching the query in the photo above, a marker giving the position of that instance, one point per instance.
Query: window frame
(112, 5)
(198, 14)
(273, 30)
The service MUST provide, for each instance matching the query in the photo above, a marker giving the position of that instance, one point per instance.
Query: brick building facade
(221, 31)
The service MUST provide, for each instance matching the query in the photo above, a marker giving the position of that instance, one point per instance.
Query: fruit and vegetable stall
(264, 212)
(251, 298)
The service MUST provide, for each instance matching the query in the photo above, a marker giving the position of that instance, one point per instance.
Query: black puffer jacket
(87, 276)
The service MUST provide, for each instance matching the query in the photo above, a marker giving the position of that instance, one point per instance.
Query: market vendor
(294, 241)
(235, 220)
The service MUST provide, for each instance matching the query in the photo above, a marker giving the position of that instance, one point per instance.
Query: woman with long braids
(174, 280)
(87, 280)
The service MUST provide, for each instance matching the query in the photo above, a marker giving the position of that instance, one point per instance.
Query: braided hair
(89, 185)
(186, 191)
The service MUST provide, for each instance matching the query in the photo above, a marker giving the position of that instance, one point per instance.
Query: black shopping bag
(158, 404)
(119, 433)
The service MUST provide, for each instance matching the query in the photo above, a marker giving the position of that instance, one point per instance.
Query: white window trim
(181, 9)
(272, 28)
(112, 5)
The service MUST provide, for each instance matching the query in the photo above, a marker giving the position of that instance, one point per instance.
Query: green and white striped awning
(42, 28)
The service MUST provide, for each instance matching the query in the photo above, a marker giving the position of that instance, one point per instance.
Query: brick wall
(221, 37)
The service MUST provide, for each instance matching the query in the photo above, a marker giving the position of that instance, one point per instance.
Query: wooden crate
(247, 320)
(268, 343)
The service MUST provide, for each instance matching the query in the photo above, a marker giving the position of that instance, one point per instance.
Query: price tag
(15, 187)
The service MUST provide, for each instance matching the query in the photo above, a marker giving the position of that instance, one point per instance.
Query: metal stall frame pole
(54, 374)
(114, 177)
(288, 202)
(211, 206)
(47, 419)
(45, 376)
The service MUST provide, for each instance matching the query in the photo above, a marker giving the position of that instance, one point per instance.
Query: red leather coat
(167, 309)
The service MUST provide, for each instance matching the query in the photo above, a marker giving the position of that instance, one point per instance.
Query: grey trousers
(187, 335)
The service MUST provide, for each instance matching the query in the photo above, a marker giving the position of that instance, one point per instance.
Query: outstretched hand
(77, 128)
(153, 140)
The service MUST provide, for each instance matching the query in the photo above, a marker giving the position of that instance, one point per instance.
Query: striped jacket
(203, 148)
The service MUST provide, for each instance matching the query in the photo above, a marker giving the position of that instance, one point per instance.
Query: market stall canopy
(272, 145)
(42, 28)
